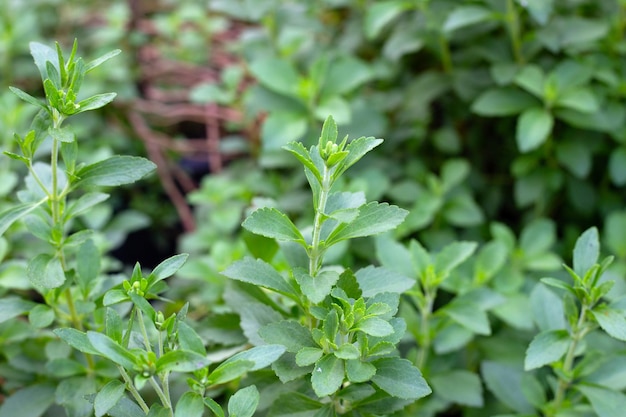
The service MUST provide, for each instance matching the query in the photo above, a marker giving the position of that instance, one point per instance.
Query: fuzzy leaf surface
(547, 347)
(399, 378)
(258, 272)
(114, 171)
(270, 222)
(373, 218)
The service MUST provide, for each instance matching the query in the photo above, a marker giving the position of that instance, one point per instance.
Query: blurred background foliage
(494, 112)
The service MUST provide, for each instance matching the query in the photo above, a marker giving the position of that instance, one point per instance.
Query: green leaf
(84, 203)
(394, 256)
(111, 350)
(46, 271)
(277, 75)
(374, 326)
(181, 361)
(281, 128)
(270, 222)
(611, 321)
(31, 401)
(42, 54)
(229, 371)
(380, 14)
(547, 308)
(617, 166)
(490, 259)
(260, 273)
(452, 256)
(41, 316)
(189, 339)
(244, 402)
(308, 356)
(576, 157)
(76, 339)
(614, 231)
(533, 128)
(87, 264)
(377, 280)
(503, 102)
(327, 376)
(10, 216)
(294, 404)
(547, 347)
(505, 382)
(214, 407)
(399, 378)
(169, 267)
(348, 351)
(358, 371)
(11, 307)
(532, 79)
(190, 404)
(114, 171)
(357, 149)
(605, 402)
(100, 60)
(344, 75)
(581, 99)
(261, 356)
(28, 98)
(373, 218)
(460, 387)
(288, 333)
(95, 102)
(468, 315)
(302, 154)
(540, 10)
(108, 396)
(315, 288)
(465, 16)
(586, 251)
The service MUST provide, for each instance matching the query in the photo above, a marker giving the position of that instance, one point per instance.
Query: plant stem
(164, 400)
(315, 255)
(513, 24)
(424, 331)
(133, 391)
(144, 333)
(446, 58)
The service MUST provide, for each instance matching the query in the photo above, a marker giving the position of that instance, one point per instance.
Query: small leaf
(586, 251)
(260, 273)
(111, 350)
(347, 351)
(381, 13)
(46, 271)
(300, 152)
(95, 102)
(315, 289)
(11, 307)
(581, 99)
(76, 339)
(611, 321)
(41, 316)
(605, 402)
(114, 171)
(329, 132)
(102, 59)
(270, 222)
(452, 256)
(277, 75)
(31, 401)
(189, 339)
(373, 218)
(288, 333)
(468, 315)
(399, 378)
(84, 203)
(505, 382)
(169, 267)
(190, 404)
(376, 280)
(229, 371)
(533, 128)
(28, 98)
(214, 407)
(532, 79)
(357, 149)
(358, 371)
(87, 264)
(108, 396)
(503, 102)
(327, 376)
(547, 347)
(260, 356)
(466, 15)
(460, 387)
(244, 402)
(15, 213)
(181, 361)
(42, 54)
(374, 326)
(308, 356)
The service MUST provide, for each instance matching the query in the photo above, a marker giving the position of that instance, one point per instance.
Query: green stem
(426, 311)
(133, 391)
(164, 400)
(446, 58)
(315, 255)
(513, 24)
(144, 333)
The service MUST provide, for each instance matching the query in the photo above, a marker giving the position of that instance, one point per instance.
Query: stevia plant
(121, 341)
(338, 326)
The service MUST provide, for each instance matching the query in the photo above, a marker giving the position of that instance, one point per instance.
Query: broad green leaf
(114, 296)
(547, 347)
(503, 101)
(532, 79)
(276, 74)
(244, 402)
(76, 339)
(380, 14)
(308, 356)
(374, 326)
(87, 264)
(358, 371)
(338, 107)
(302, 154)
(460, 387)
(229, 371)
(143, 305)
(288, 333)
(41, 316)
(169, 267)
(42, 54)
(605, 402)
(462, 211)
(46, 271)
(586, 251)
(286, 368)
(189, 339)
(611, 320)
(533, 128)
(373, 218)
(315, 288)
(452, 256)
(581, 99)
(108, 396)
(547, 308)
(327, 376)
(540, 10)
(399, 378)
(85, 202)
(181, 361)
(260, 356)
(468, 315)
(102, 59)
(260, 273)
(376, 280)
(576, 157)
(95, 102)
(490, 259)
(11, 307)
(114, 171)
(190, 404)
(27, 97)
(394, 256)
(111, 350)
(617, 166)
(294, 404)
(348, 351)
(270, 222)
(64, 135)
(614, 232)
(10, 216)
(465, 16)
(505, 382)
(31, 401)
(344, 75)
